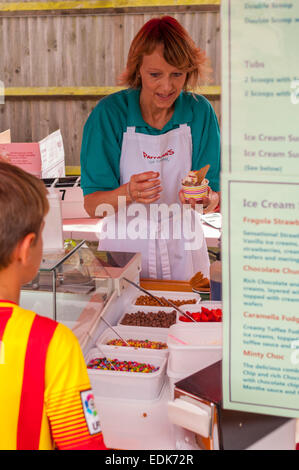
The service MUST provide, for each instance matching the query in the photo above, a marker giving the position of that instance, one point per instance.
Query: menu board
(24, 155)
(52, 156)
(44, 159)
(261, 295)
(260, 80)
(260, 206)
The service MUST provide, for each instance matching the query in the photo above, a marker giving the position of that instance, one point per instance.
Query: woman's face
(161, 82)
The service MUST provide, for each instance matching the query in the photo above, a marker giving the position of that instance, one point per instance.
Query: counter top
(87, 229)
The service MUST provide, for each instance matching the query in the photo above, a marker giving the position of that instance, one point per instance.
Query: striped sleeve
(70, 427)
(69, 400)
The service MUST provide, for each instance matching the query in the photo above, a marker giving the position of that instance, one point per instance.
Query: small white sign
(52, 156)
(53, 229)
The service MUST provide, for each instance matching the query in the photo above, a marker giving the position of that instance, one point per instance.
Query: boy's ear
(22, 250)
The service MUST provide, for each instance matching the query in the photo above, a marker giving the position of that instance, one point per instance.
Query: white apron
(164, 256)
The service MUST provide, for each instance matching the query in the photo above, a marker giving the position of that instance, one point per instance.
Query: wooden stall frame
(94, 7)
(96, 4)
(85, 91)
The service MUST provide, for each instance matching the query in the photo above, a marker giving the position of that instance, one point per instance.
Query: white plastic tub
(197, 308)
(136, 424)
(141, 308)
(118, 384)
(171, 295)
(174, 377)
(203, 347)
(133, 332)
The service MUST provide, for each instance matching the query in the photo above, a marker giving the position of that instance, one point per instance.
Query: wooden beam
(73, 170)
(63, 92)
(59, 91)
(96, 4)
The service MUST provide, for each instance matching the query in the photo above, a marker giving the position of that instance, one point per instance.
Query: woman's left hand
(209, 203)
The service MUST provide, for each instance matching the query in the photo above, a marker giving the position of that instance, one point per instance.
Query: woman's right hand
(144, 188)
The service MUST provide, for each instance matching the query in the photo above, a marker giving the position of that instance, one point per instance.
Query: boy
(46, 401)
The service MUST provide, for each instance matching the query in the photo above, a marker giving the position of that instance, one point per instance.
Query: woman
(141, 142)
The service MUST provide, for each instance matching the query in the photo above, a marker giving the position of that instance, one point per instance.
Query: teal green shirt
(105, 126)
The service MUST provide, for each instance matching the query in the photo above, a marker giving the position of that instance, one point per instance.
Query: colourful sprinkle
(136, 343)
(121, 366)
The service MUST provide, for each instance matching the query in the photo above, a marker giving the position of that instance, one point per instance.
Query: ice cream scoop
(191, 178)
(195, 178)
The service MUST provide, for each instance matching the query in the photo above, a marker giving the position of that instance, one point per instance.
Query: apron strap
(152, 255)
(32, 396)
(164, 254)
(152, 263)
(131, 130)
(164, 258)
(166, 272)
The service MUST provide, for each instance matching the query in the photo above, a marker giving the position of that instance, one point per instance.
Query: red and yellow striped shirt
(69, 418)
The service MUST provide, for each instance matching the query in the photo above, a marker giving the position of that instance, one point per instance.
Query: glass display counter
(68, 283)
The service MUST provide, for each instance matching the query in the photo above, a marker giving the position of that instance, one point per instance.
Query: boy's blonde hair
(23, 206)
(179, 51)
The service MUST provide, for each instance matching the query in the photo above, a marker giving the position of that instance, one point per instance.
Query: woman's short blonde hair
(23, 206)
(179, 51)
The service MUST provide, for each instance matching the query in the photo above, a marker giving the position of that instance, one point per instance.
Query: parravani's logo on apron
(160, 158)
